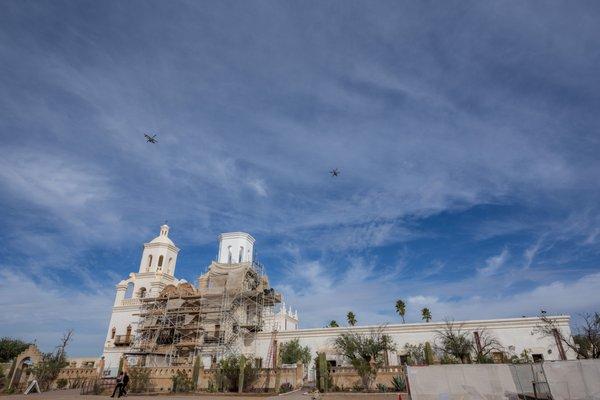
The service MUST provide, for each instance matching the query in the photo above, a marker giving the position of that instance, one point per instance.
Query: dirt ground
(297, 395)
(74, 395)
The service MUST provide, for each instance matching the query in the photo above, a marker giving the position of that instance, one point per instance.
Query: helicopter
(150, 139)
(335, 172)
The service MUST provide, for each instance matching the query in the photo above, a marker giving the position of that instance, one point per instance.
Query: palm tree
(426, 314)
(333, 324)
(401, 309)
(351, 318)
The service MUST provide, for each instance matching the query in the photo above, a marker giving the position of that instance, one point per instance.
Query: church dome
(163, 237)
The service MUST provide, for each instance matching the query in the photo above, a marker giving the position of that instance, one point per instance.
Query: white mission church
(160, 320)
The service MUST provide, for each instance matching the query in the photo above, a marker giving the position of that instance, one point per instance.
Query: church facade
(159, 320)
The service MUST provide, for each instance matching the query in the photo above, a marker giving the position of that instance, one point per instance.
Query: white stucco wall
(516, 332)
(126, 311)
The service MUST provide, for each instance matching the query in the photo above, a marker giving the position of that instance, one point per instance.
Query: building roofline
(500, 323)
(236, 234)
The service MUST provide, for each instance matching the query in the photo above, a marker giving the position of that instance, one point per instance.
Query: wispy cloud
(494, 263)
(458, 133)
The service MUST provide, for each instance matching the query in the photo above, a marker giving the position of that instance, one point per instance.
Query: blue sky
(467, 134)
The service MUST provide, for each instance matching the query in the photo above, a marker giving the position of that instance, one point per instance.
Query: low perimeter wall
(160, 377)
(346, 377)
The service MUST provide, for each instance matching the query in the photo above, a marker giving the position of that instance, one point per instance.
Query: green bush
(61, 383)
(139, 379)
(292, 353)
(415, 354)
(285, 387)
(212, 388)
(399, 383)
(181, 382)
(10, 348)
(382, 387)
(229, 374)
(448, 359)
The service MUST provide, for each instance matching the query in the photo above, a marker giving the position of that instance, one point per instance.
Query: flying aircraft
(334, 172)
(150, 139)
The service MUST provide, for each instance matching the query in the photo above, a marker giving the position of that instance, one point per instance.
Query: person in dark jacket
(123, 391)
(119, 385)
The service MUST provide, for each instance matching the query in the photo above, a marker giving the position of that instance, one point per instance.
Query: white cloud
(259, 186)
(494, 263)
(42, 311)
(371, 294)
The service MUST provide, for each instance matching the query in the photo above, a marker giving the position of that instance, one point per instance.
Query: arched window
(142, 293)
(149, 262)
(170, 265)
(160, 261)
(128, 334)
(129, 291)
(229, 255)
(112, 332)
(241, 254)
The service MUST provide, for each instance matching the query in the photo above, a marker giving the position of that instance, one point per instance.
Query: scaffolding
(220, 317)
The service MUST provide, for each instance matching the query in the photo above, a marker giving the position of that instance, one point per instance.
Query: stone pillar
(101, 367)
(156, 288)
(299, 374)
(121, 289)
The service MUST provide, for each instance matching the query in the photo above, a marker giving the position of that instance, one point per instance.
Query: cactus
(428, 354)
(196, 372)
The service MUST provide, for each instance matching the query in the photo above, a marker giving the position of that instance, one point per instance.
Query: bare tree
(454, 342)
(586, 340)
(49, 367)
(484, 345)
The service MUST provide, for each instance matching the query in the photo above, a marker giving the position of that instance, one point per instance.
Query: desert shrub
(285, 387)
(365, 352)
(292, 353)
(357, 386)
(483, 359)
(181, 382)
(212, 387)
(382, 387)
(449, 359)
(399, 383)
(229, 373)
(11, 348)
(139, 379)
(524, 358)
(61, 383)
(415, 354)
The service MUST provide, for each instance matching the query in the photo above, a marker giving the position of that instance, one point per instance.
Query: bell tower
(235, 248)
(160, 254)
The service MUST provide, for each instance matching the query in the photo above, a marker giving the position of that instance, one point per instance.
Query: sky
(467, 135)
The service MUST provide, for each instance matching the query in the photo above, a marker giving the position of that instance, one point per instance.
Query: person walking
(119, 385)
(125, 381)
